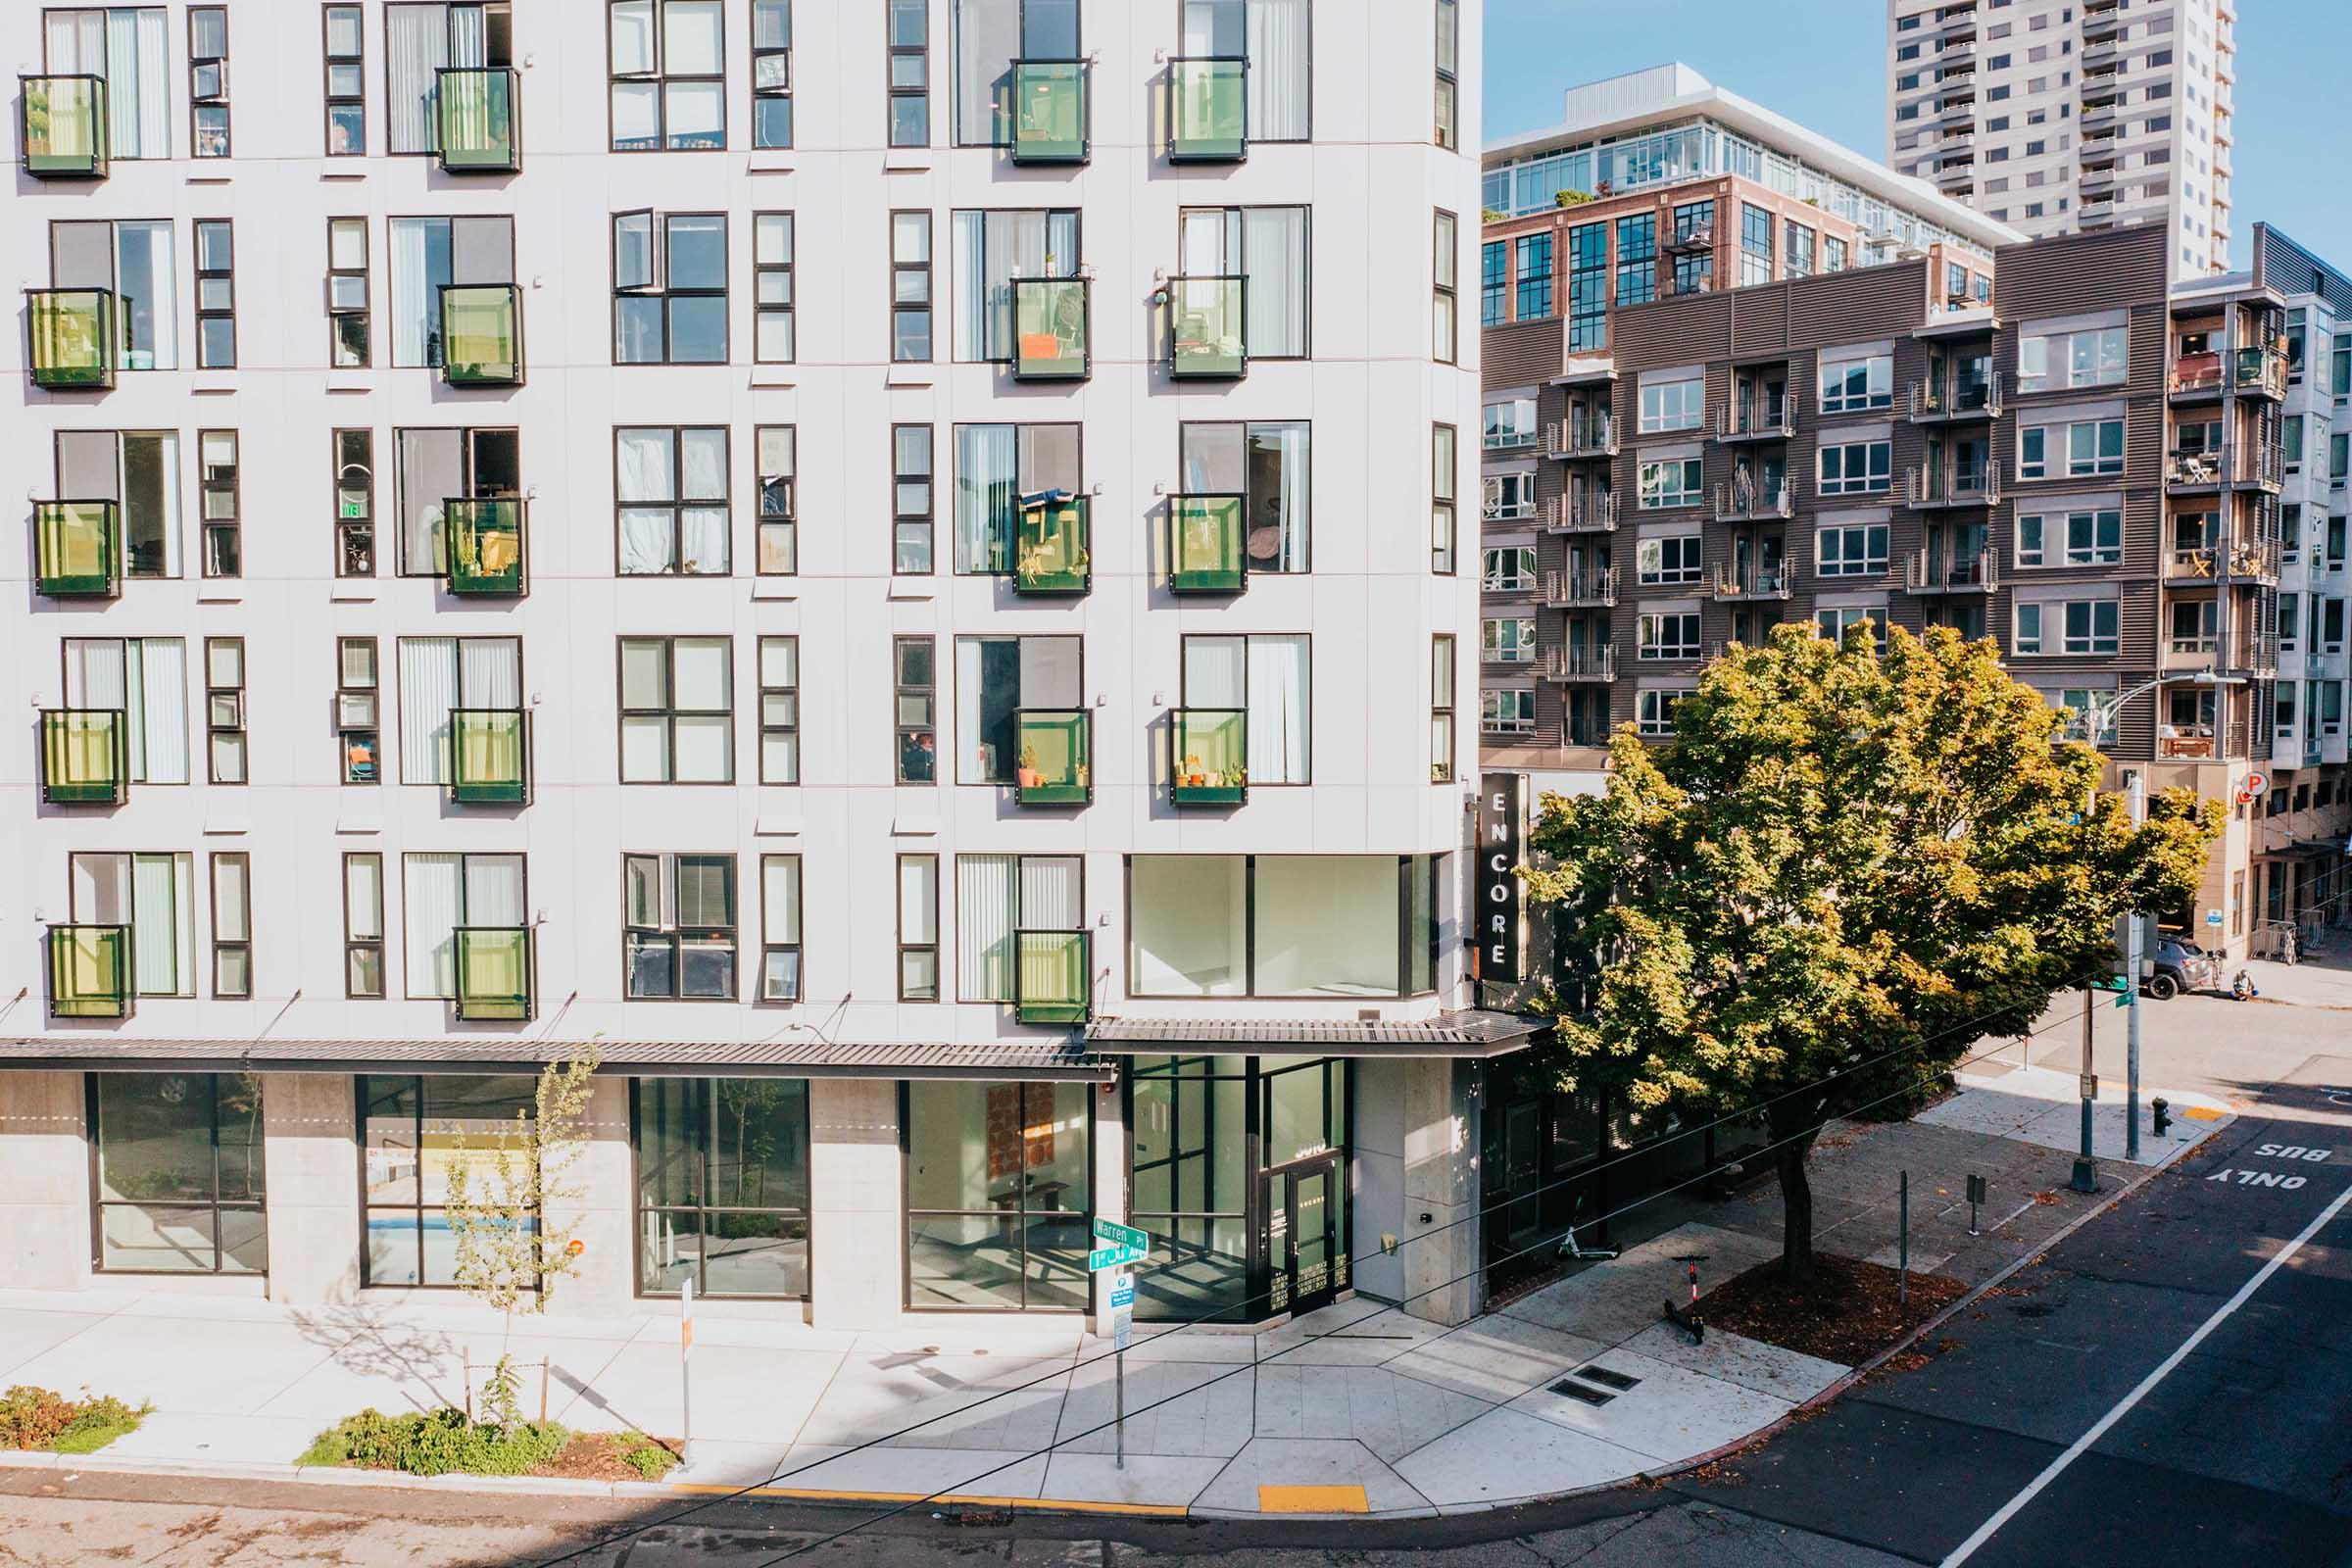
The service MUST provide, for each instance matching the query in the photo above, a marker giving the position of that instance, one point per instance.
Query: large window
(176, 1158)
(990, 36)
(1675, 558)
(999, 895)
(2092, 357)
(2074, 450)
(442, 675)
(997, 467)
(1680, 404)
(1666, 634)
(678, 926)
(421, 39)
(1672, 482)
(1275, 37)
(993, 249)
(430, 254)
(1270, 678)
(1507, 710)
(677, 710)
(670, 500)
(146, 681)
(1755, 245)
(1589, 287)
(136, 262)
(1637, 259)
(1190, 1170)
(1853, 383)
(1852, 552)
(999, 1196)
(139, 471)
(996, 677)
(2089, 538)
(1507, 496)
(412, 1130)
(130, 48)
(2066, 626)
(669, 288)
(1267, 248)
(444, 893)
(1535, 277)
(669, 69)
(1267, 464)
(1857, 468)
(722, 1185)
(436, 467)
(1281, 925)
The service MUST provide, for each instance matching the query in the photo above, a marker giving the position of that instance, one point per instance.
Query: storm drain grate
(1576, 1391)
(1606, 1378)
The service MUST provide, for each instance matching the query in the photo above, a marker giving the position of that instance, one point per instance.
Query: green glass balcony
(1049, 112)
(63, 126)
(494, 973)
(1056, 766)
(1206, 341)
(1052, 557)
(481, 334)
(85, 757)
(1050, 330)
(1051, 971)
(1209, 756)
(89, 972)
(1208, 110)
(476, 111)
(78, 546)
(1204, 543)
(485, 546)
(489, 756)
(73, 338)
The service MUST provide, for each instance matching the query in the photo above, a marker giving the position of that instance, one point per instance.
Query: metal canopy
(1471, 1035)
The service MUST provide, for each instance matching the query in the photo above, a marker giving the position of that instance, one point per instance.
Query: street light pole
(2138, 796)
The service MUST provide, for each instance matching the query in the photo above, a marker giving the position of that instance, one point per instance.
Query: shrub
(432, 1442)
(33, 1418)
(644, 1455)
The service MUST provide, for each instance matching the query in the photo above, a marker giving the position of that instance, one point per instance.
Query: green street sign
(1103, 1258)
(2112, 982)
(1110, 1233)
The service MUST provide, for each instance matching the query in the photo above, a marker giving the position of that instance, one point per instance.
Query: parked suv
(2182, 965)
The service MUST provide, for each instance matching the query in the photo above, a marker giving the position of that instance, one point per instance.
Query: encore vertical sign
(1497, 891)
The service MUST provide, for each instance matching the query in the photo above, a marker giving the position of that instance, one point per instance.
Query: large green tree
(1852, 865)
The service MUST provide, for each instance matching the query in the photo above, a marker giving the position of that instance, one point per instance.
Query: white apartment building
(890, 565)
(2054, 116)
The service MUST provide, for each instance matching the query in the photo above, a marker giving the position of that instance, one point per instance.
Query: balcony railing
(90, 972)
(1204, 543)
(1752, 582)
(1585, 435)
(1049, 112)
(481, 334)
(493, 972)
(1206, 337)
(1056, 755)
(73, 338)
(477, 120)
(2262, 372)
(63, 127)
(1976, 484)
(1209, 109)
(485, 546)
(78, 549)
(1052, 976)
(1581, 513)
(2195, 560)
(489, 756)
(1751, 501)
(1051, 552)
(1954, 399)
(86, 757)
(1591, 588)
(1580, 662)
(1753, 419)
(2193, 743)
(1050, 320)
(1942, 571)
(1209, 756)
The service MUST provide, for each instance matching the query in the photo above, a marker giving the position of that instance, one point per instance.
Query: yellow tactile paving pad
(1312, 1499)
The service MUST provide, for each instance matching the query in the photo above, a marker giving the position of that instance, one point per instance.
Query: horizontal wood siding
(1521, 354)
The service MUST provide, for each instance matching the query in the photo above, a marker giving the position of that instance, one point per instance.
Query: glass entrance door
(1306, 1247)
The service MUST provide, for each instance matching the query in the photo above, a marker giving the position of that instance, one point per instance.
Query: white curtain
(429, 904)
(1216, 672)
(1208, 241)
(160, 924)
(100, 891)
(969, 736)
(490, 672)
(163, 710)
(415, 305)
(76, 41)
(415, 45)
(469, 35)
(984, 924)
(1049, 893)
(428, 689)
(129, 49)
(1278, 703)
(702, 474)
(493, 890)
(988, 36)
(987, 491)
(1279, 68)
(648, 474)
(1274, 251)
(1294, 493)
(969, 243)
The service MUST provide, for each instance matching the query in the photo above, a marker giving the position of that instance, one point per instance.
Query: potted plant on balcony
(1194, 776)
(1027, 772)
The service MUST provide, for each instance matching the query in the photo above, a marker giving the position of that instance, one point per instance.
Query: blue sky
(1823, 64)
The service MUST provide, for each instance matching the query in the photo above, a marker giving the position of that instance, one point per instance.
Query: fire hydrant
(2161, 1109)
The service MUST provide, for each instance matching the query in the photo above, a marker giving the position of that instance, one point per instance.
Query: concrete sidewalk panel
(1669, 1415)
(739, 1393)
(949, 1402)
(1307, 1462)
(1388, 1414)
(1615, 1300)
(910, 1472)
(1508, 1454)
(1497, 1358)
(25, 1333)
(1151, 1479)
(1767, 1369)
(1180, 1410)
(216, 1439)
(229, 1368)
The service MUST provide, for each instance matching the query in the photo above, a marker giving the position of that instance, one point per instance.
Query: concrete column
(857, 1211)
(604, 1282)
(1416, 1153)
(1377, 1199)
(310, 1199)
(44, 1181)
(1110, 1179)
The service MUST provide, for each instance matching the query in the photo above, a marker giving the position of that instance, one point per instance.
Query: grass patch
(444, 1443)
(34, 1420)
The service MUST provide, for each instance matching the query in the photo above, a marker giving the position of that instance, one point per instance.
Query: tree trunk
(1797, 1199)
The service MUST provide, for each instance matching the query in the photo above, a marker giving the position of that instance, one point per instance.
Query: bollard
(1902, 1261)
(2162, 1109)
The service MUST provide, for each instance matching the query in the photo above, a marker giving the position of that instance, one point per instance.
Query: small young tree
(1850, 867)
(500, 1191)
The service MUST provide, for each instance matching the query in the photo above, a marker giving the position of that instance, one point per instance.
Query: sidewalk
(1388, 1415)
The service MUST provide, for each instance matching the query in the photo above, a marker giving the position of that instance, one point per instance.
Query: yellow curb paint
(1312, 1499)
(2200, 1113)
(1156, 1511)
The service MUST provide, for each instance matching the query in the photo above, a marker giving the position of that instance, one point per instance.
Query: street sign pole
(2138, 796)
(2086, 1176)
(685, 1371)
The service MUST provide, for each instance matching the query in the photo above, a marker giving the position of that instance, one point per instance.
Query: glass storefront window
(1188, 1122)
(1281, 925)
(722, 1185)
(999, 1196)
(178, 1172)
(410, 1132)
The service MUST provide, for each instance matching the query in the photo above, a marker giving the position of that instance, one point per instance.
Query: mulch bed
(1847, 1314)
(594, 1456)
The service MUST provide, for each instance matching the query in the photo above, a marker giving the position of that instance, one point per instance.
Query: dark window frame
(759, 94)
(676, 933)
(798, 947)
(903, 691)
(354, 534)
(671, 712)
(419, 1207)
(1016, 1218)
(221, 536)
(336, 315)
(894, 52)
(937, 991)
(789, 726)
(776, 500)
(257, 1204)
(761, 310)
(1405, 991)
(198, 99)
(659, 285)
(357, 64)
(900, 307)
(926, 518)
(222, 945)
(215, 698)
(354, 946)
(704, 1211)
(662, 76)
(346, 696)
(679, 502)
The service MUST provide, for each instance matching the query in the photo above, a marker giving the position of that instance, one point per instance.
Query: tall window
(137, 262)
(218, 504)
(1441, 708)
(1535, 277)
(421, 39)
(153, 894)
(347, 292)
(999, 895)
(678, 926)
(232, 925)
(997, 465)
(1755, 245)
(131, 47)
(772, 288)
(440, 676)
(992, 250)
(139, 471)
(670, 494)
(345, 85)
(912, 499)
(364, 927)
(1833, 253)
(669, 288)
(146, 679)
(436, 467)
(778, 456)
(1493, 282)
(779, 710)
(996, 677)
(1275, 37)
(443, 893)
(410, 1133)
(909, 24)
(1445, 309)
(914, 674)
(780, 928)
(176, 1160)
(1442, 446)
(1270, 677)
(1448, 89)
(225, 710)
(723, 1186)
(430, 254)
(359, 711)
(772, 73)
(1637, 259)
(1000, 1182)
(677, 710)
(1267, 247)
(909, 288)
(990, 36)
(1588, 286)
(1799, 240)
(354, 454)
(208, 82)
(918, 928)
(1267, 464)
(670, 71)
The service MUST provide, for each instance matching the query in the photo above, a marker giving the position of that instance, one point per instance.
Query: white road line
(2009, 1510)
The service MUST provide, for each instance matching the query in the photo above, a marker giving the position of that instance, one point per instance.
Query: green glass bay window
(63, 126)
(1208, 110)
(1050, 330)
(73, 338)
(1056, 755)
(485, 546)
(1049, 112)
(1208, 751)
(1205, 547)
(89, 972)
(1205, 323)
(1051, 555)
(489, 756)
(1051, 969)
(481, 334)
(85, 757)
(494, 973)
(79, 557)
(477, 120)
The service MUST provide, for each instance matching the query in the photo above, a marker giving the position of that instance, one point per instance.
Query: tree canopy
(1848, 853)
